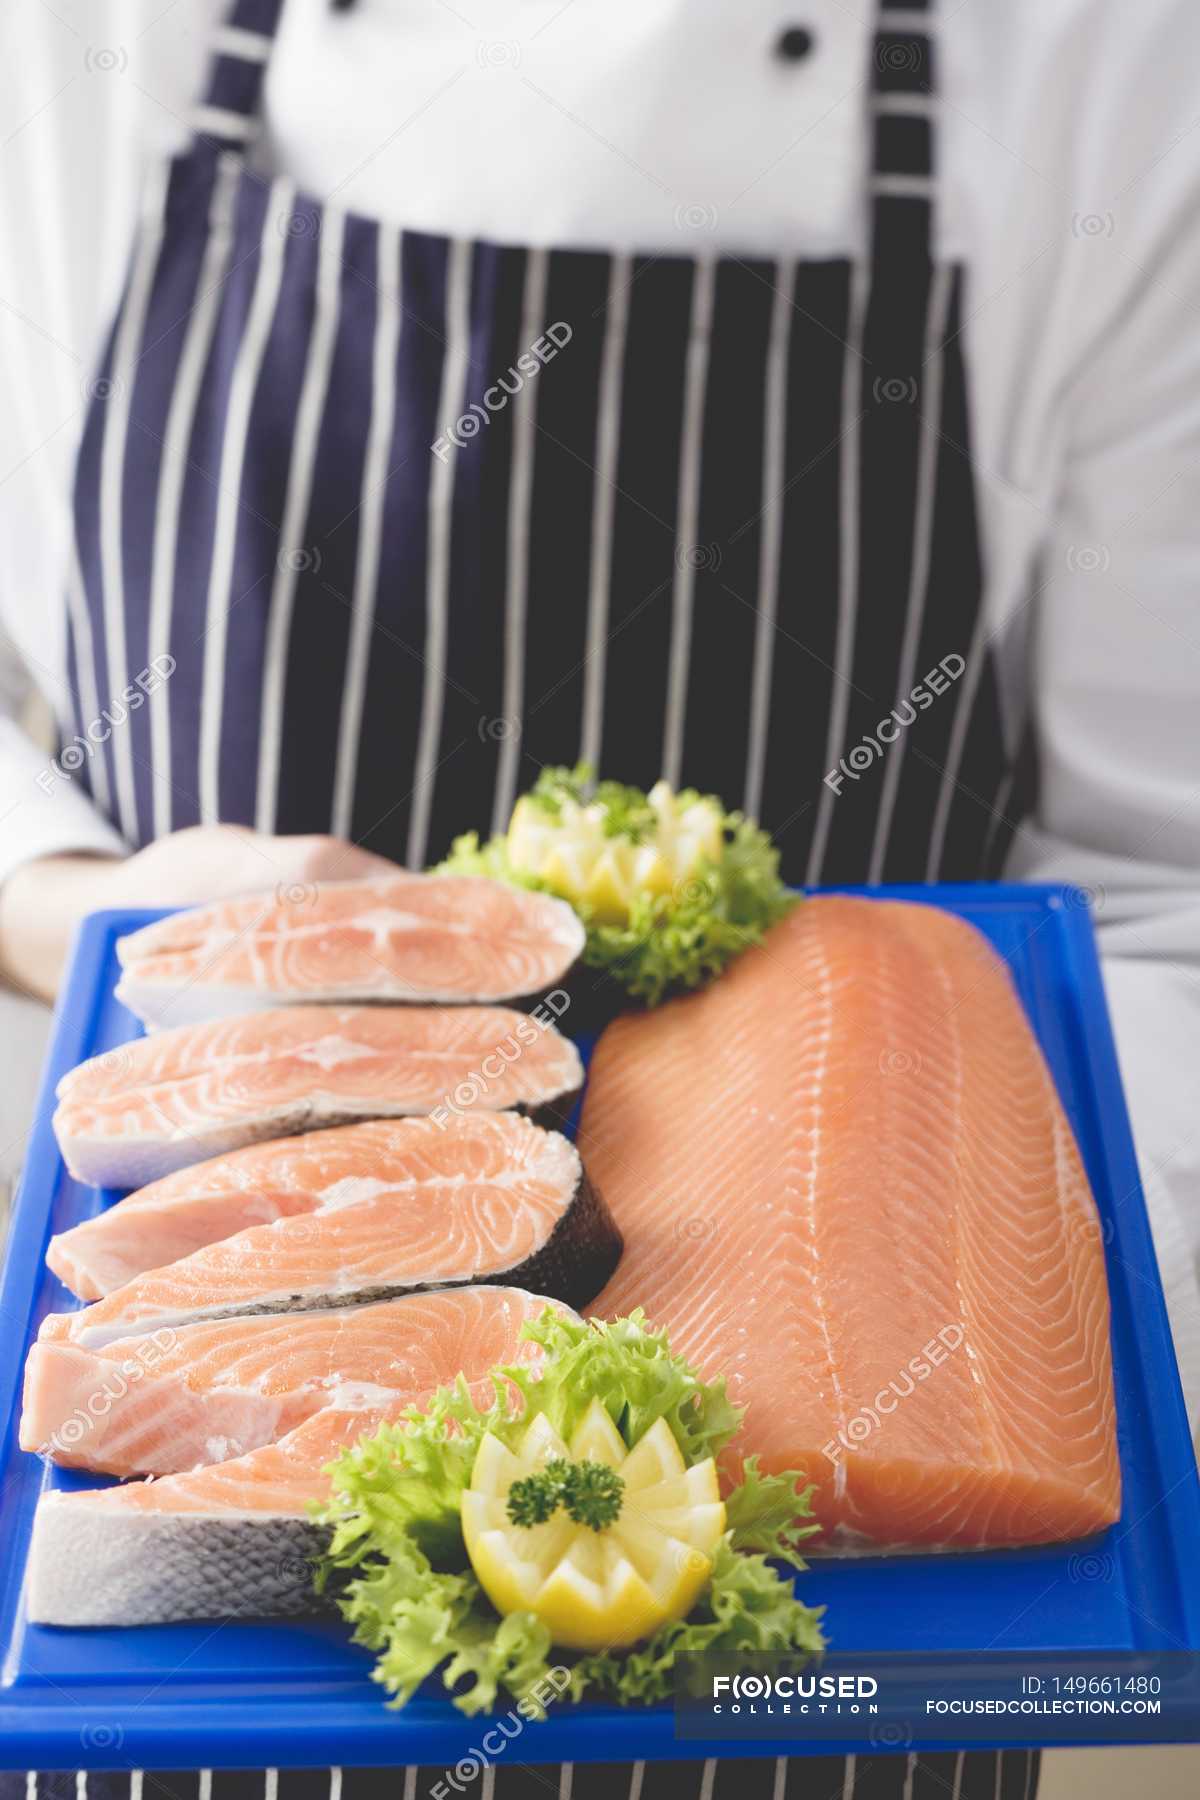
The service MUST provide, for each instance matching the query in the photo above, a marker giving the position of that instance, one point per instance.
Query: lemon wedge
(571, 851)
(596, 1589)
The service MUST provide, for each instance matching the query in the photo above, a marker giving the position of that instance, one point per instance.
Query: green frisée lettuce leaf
(419, 1619)
(629, 1368)
(768, 1513)
(686, 939)
(723, 890)
(398, 1569)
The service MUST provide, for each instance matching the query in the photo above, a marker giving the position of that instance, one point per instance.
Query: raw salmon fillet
(487, 1197)
(163, 1102)
(845, 1179)
(233, 1537)
(401, 937)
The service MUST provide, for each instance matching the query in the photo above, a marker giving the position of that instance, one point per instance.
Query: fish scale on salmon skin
(847, 1146)
(401, 937)
(487, 1197)
(164, 1102)
(234, 1538)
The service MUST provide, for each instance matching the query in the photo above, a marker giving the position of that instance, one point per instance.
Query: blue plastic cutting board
(252, 1695)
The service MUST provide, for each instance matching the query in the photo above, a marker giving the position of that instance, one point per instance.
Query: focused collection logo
(787, 1693)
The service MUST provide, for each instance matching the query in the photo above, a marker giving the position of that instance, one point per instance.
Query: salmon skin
(401, 937)
(846, 1182)
(234, 1538)
(487, 1197)
(163, 1102)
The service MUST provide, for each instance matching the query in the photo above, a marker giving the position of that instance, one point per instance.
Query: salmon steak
(846, 1181)
(401, 937)
(486, 1197)
(217, 1199)
(171, 1400)
(233, 1537)
(163, 1102)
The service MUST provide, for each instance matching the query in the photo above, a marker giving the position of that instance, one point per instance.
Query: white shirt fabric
(1068, 137)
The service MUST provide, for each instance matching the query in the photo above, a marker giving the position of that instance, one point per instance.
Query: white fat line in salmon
(505, 1729)
(869, 749)
(72, 756)
(115, 1386)
(495, 398)
(477, 1084)
(867, 1419)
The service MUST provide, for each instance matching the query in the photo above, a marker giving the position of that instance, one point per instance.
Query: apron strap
(229, 113)
(903, 90)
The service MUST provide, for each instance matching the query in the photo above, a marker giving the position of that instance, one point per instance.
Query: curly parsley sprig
(589, 1492)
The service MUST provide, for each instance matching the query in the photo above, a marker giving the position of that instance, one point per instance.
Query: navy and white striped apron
(942, 1775)
(414, 516)
(404, 518)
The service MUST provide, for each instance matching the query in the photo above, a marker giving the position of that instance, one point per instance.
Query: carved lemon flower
(604, 1545)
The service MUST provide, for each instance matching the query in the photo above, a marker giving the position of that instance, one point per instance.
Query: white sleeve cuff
(43, 809)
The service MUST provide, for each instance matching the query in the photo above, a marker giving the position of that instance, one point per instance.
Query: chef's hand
(42, 902)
